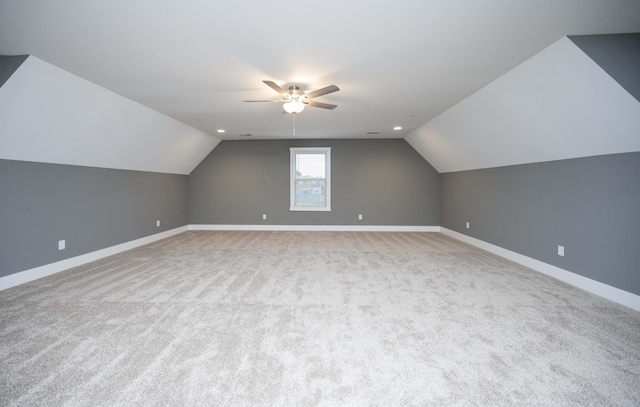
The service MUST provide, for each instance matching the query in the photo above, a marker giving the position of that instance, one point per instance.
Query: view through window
(310, 179)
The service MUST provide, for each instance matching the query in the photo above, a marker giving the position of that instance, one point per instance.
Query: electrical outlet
(157, 223)
(62, 244)
(264, 216)
(360, 217)
(561, 251)
(467, 225)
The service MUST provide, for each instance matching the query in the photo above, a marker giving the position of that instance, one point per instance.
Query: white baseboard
(595, 287)
(320, 228)
(25, 276)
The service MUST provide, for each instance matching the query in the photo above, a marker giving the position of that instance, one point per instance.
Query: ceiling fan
(295, 100)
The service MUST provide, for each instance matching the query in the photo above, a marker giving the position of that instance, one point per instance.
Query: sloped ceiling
(183, 68)
(50, 115)
(559, 104)
(397, 63)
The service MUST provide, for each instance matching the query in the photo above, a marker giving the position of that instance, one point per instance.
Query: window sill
(310, 208)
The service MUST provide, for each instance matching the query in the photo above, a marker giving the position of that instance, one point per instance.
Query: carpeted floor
(313, 318)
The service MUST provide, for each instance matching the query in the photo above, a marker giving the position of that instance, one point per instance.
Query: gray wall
(90, 208)
(385, 180)
(591, 206)
(8, 65)
(617, 54)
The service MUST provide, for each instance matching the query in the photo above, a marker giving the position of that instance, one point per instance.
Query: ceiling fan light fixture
(295, 100)
(293, 107)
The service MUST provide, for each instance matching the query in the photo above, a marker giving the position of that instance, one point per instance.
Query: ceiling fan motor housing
(296, 94)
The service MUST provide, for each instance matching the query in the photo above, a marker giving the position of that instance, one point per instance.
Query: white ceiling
(558, 104)
(50, 115)
(399, 62)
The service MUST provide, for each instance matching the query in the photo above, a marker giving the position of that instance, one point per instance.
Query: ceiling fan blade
(322, 105)
(275, 87)
(323, 91)
(263, 100)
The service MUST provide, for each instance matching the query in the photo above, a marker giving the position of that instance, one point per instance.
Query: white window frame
(292, 164)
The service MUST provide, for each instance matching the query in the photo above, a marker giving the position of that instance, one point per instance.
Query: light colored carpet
(313, 318)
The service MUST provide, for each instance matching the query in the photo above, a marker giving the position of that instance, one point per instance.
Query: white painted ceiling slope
(398, 63)
(401, 63)
(559, 104)
(50, 115)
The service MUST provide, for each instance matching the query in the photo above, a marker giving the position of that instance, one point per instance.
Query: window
(311, 179)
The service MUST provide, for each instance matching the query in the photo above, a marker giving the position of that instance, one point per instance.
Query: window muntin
(310, 179)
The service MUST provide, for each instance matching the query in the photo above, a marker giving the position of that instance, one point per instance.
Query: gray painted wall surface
(591, 206)
(90, 208)
(617, 54)
(8, 65)
(385, 180)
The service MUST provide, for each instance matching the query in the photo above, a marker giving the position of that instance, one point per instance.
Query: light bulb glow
(293, 107)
